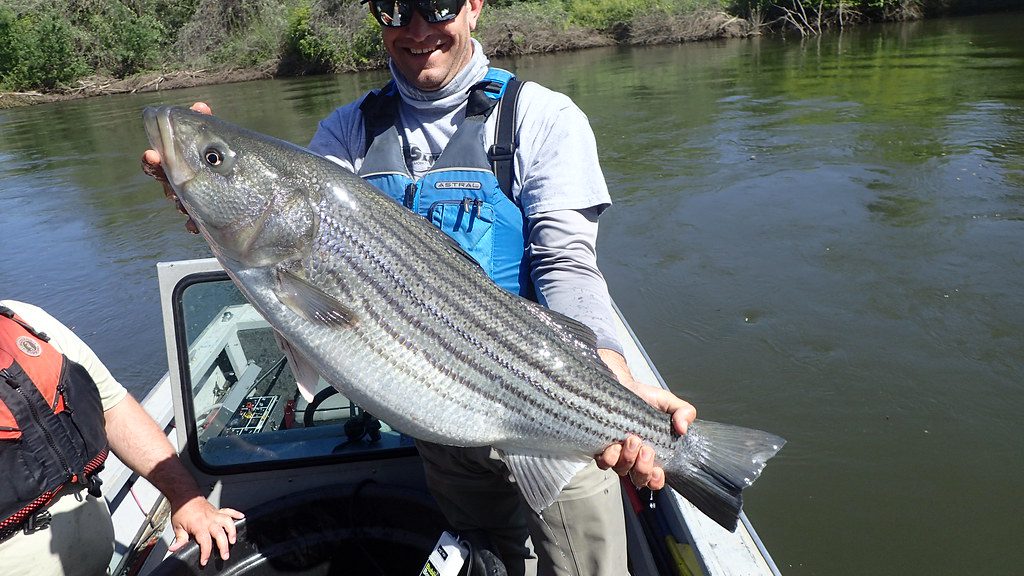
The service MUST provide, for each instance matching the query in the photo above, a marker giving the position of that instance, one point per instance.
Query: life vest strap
(502, 153)
(8, 313)
(500, 90)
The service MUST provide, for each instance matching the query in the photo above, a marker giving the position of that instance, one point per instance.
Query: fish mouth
(160, 131)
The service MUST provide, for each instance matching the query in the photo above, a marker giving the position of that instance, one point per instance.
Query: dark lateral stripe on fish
(599, 423)
(467, 362)
(463, 329)
(475, 342)
(409, 317)
(599, 415)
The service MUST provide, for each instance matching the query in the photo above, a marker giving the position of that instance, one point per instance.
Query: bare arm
(139, 442)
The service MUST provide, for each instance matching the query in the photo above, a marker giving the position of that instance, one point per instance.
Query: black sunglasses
(398, 13)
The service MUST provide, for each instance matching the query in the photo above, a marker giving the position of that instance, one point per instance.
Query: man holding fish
(424, 140)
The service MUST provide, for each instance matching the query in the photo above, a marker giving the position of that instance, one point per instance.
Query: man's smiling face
(431, 55)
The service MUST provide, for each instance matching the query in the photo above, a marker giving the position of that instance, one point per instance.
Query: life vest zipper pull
(62, 393)
(9, 379)
(410, 196)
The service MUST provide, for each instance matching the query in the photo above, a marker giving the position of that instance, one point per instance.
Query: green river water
(823, 238)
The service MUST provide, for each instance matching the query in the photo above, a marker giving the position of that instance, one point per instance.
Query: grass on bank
(65, 46)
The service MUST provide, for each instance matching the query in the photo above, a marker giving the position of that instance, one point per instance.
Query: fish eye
(213, 157)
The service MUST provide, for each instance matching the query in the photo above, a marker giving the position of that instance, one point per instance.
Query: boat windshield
(242, 400)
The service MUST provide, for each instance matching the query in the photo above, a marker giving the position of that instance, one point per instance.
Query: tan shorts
(79, 541)
(581, 534)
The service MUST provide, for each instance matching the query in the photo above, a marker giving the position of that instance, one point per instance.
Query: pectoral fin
(312, 303)
(306, 377)
(541, 477)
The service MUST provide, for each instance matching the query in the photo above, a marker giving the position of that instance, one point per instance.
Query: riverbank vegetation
(70, 48)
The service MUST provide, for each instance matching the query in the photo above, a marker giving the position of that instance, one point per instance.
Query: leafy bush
(37, 50)
(331, 36)
(219, 33)
(173, 14)
(618, 15)
(603, 14)
(123, 42)
(531, 27)
(8, 54)
(304, 52)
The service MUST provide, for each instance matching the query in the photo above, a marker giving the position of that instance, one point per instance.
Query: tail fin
(715, 462)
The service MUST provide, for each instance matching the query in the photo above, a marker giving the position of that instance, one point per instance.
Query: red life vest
(51, 423)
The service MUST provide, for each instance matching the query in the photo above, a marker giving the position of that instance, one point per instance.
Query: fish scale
(386, 308)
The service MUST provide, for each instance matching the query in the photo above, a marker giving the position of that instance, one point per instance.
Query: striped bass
(390, 311)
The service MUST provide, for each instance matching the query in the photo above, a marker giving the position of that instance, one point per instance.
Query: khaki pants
(78, 542)
(580, 534)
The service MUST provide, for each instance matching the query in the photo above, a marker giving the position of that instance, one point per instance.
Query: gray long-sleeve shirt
(558, 180)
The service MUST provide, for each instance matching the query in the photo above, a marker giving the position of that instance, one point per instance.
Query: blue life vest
(467, 191)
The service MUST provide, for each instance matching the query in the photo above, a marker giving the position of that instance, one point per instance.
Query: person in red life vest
(60, 412)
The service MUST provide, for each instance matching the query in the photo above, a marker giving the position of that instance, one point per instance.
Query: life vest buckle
(93, 484)
(500, 152)
(38, 521)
